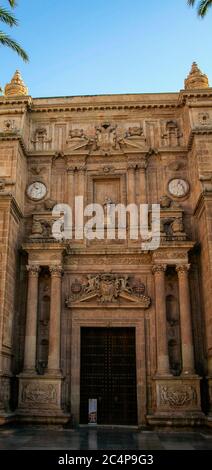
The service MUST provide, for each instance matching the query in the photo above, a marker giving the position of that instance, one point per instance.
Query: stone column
(81, 181)
(142, 191)
(54, 326)
(70, 187)
(31, 319)
(185, 319)
(131, 184)
(160, 307)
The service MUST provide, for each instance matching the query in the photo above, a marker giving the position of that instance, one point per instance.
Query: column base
(40, 399)
(176, 401)
(6, 415)
(6, 418)
(209, 416)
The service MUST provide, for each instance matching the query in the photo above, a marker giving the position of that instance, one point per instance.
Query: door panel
(108, 373)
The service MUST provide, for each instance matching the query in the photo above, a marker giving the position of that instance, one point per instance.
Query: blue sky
(107, 46)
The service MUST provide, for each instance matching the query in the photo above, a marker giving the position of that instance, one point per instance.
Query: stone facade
(144, 148)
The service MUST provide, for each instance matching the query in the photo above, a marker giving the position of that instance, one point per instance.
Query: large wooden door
(108, 373)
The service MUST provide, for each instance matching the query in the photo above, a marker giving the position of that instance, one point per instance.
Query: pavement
(27, 437)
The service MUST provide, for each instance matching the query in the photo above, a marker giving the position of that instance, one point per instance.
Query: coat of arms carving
(107, 288)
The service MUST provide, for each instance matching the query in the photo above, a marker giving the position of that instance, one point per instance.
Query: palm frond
(12, 3)
(203, 7)
(7, 17)
(5, 40)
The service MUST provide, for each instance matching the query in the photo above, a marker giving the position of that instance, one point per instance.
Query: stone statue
(177, 226)
(165, 202)
(37, 229)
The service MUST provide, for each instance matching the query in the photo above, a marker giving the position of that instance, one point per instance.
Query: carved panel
(177, 396)
(39, 393)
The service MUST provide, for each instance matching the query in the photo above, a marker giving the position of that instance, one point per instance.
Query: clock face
(36, 190)
(178, 187)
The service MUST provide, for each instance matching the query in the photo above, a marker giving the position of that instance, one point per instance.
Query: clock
(178, 187)
(36, 191)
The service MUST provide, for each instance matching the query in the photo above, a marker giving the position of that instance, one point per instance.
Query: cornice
(103, 102)
(205, 196)
(15, 209)
(185, 95)
(10, 137)
(82, 108)
(15, 101)
(207, 130)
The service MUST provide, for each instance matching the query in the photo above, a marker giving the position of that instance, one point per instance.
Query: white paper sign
(92, 411)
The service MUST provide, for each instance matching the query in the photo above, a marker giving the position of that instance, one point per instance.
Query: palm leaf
(202, 7)
(5, 40)
(7, 17)
(12, 3)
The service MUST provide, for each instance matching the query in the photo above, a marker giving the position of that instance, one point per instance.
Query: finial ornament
(196, 79)
(16, 87)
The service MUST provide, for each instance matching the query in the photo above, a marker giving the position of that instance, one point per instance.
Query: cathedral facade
(101, 322)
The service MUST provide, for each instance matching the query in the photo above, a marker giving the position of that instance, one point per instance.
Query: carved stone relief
(107, 288)
(204, 119)
(9, 126)
(39, 393)
(177, 396)
(172, 135)
(40, 139)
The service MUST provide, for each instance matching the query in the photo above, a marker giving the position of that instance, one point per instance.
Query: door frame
(125, 319)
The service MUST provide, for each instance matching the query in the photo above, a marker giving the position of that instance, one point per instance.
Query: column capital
(131, 166)
(142, 165)
(81, 168)
(56, 271)
(182, 268)
(33, 270)
(70, 169)
(159, 268)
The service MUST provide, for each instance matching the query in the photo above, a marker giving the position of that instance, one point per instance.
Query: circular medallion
(178, 187)
(36, 191)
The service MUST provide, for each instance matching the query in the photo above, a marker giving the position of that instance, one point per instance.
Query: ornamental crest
(107, 288)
